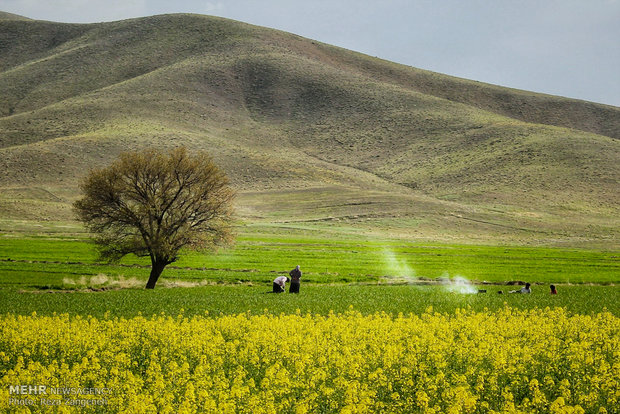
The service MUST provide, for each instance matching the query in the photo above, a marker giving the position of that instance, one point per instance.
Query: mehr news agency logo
(74, 396)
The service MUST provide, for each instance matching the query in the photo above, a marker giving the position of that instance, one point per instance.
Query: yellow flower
(504, 361)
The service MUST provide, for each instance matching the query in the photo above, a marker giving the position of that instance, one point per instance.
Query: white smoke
(397, 270)
(458, 284)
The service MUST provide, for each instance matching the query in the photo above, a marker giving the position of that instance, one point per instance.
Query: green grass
(47, 274)
(69, 262)
(316, 299)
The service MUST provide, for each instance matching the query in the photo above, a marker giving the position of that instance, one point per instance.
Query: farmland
(381, 324)
(473, 362)
(60, 273)
(256, 257)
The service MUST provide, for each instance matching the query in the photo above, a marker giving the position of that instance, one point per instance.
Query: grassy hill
(11, 16)
(313, 136)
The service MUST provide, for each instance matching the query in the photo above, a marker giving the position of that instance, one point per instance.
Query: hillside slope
(11, 16)
(308, 132)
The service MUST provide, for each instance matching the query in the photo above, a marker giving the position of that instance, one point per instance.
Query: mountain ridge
(502, 100)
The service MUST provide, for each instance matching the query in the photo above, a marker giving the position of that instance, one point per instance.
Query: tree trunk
(156, 269)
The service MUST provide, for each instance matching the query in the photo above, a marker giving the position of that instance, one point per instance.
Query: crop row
(509, 360)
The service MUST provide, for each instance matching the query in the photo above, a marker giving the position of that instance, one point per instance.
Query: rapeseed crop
(509, 361)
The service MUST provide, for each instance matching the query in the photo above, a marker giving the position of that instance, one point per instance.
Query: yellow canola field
(512, 361)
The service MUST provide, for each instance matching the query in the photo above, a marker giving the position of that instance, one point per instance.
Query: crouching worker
(295, 275)
(279, 283)
(525, 289)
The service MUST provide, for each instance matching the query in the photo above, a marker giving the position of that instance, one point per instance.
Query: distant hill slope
(285, 115)
(11, 16)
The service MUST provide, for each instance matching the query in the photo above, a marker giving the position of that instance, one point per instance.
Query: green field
(256, 257)
(313, 299)
(60, 273)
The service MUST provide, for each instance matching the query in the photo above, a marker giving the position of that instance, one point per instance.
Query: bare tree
(153, 204)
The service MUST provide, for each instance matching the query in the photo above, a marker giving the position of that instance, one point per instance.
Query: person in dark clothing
(295, 275)
(553, 291)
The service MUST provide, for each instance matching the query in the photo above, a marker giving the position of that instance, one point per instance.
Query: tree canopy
(152, 203)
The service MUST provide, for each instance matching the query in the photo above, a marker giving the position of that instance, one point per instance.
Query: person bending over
(279, 283)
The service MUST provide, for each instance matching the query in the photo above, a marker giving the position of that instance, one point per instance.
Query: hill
(11, 16)
(314, 136)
